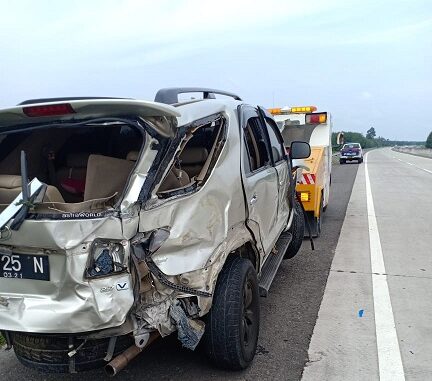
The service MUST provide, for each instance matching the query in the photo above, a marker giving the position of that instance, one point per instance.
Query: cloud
(365, 95)
(337, 54)
(81, 28)
(388, 35)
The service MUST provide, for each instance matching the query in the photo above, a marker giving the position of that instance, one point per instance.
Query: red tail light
(49, 110)
(316, 118)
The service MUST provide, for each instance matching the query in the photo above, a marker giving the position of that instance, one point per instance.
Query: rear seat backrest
(74, 173)
(76, 164)
(174, 179)
(192, 160)
(10, 188)
(132, 156)
(106, 176)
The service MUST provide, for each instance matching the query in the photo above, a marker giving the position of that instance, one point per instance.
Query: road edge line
(389, 357)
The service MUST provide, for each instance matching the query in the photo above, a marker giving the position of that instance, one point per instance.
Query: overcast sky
(368, 62)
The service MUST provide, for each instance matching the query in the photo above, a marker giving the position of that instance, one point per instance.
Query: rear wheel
(232, 328)
(297, 231)
(49, 353)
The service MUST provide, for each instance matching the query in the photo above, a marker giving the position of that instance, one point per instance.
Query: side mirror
(340, 139)
(299, 150)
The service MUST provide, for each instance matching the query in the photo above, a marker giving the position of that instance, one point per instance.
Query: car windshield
(351, 145)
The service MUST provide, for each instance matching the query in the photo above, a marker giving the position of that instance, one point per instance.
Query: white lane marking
(427, 170)
(389, 356)
(406, 162)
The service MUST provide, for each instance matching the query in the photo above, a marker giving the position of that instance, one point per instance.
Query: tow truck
(313, 184)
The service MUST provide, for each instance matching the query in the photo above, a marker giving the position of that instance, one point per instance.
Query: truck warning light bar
(292, 110)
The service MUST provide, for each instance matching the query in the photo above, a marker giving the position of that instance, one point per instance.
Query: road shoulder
(344, 339)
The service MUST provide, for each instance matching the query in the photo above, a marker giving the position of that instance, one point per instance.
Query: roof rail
(62, 99)
(170, 95)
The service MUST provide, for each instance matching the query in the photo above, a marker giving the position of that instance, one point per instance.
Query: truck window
(297, 132)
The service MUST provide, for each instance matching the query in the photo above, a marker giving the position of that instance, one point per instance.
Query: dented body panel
(148, 259)
(203, 220)
(67, 303)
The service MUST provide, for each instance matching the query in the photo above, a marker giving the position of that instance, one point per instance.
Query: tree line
(429, 141)
(372, 141)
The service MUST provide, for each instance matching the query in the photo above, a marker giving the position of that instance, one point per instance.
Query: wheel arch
(249, 251)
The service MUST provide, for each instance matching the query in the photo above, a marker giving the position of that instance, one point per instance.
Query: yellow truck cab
(313, 184)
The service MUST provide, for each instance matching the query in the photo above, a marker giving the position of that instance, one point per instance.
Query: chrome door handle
(253, 200)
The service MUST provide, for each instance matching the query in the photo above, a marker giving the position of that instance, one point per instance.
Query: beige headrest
(132, 156)
(77, 160)
(10, 181)
(194, 155)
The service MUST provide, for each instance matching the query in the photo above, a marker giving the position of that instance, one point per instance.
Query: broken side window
(195, 160)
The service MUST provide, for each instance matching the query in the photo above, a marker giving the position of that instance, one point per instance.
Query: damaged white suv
(124, 220)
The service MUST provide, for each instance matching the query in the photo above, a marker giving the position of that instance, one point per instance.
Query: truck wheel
(232, 325)
(49, 353)
(297, 231)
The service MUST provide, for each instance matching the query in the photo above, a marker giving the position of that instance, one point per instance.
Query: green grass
(2, 340)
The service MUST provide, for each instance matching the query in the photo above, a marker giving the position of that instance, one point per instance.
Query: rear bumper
(356, 157)
(314, 192)
(67, 303)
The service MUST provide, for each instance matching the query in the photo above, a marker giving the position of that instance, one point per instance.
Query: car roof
(191, 111)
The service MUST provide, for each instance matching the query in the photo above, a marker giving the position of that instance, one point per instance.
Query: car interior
(94, 162)
(196, 158)
(78, 164)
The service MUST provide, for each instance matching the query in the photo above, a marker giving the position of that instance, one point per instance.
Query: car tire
(297, 230)
(232, 325)
(341, 161)
(360, 160)
(49, 353)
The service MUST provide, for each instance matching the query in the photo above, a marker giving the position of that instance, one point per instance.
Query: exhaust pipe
(123, 359)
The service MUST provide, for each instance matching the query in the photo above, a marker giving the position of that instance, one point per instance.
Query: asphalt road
(374, 322)
(288, 317)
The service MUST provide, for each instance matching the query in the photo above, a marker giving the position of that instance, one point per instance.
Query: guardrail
(416, 151)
